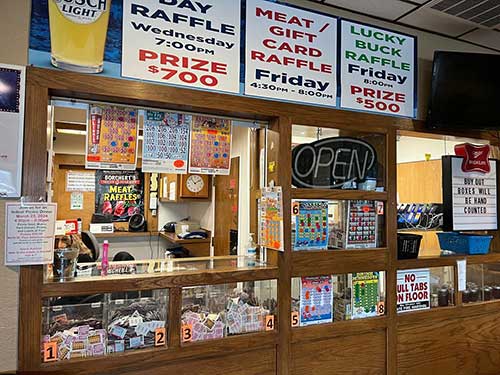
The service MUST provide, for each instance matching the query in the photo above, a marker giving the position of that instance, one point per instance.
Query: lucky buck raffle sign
(470, 189)
(377, 70)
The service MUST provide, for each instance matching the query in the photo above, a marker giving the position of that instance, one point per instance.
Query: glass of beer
(78, 30)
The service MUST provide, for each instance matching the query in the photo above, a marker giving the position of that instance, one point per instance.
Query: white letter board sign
(470, 199)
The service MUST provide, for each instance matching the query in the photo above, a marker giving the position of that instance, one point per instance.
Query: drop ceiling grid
(414, 14)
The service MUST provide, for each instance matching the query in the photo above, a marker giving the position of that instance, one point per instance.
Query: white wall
(241, 148)
(14, 20)
(411, 149)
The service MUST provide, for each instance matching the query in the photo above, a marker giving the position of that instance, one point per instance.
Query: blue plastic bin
(465, 243)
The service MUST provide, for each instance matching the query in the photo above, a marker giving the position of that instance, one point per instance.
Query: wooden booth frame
(368, 346)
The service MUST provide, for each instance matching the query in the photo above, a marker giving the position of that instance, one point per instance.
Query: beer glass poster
(119, 193)
(413, 290)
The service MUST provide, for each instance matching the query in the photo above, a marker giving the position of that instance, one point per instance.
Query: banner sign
(12, 83)
(291, 54)
(189, 43)
(470, 200)
(333, 162)
(377, 70)
(119, 193)
(29, 233)
(288, 54)
(165, 148)
(414, 290)
(111, 138)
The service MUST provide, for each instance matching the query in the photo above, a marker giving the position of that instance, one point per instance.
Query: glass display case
(216, 311)
(127, 269)
(134, 323)
(337, 224)
(442, 286)
(483, 283)
(203, 309)
(323, 299)
(73, 330)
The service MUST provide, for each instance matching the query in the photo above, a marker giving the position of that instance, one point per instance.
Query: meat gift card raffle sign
(290, 54)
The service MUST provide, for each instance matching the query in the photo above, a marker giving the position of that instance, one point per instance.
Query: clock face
(195, 183)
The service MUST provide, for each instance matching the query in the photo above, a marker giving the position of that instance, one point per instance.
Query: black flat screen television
(465, 91)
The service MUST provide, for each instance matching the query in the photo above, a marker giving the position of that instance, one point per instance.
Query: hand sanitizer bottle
(251, 252)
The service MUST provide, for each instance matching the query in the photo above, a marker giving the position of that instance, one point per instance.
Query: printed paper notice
(111, 138)
(80, 181)
(316, 296)
(76, 200)
(165, 148)
(413, 290)
(29, 232)
(210, 150)
(290, 54)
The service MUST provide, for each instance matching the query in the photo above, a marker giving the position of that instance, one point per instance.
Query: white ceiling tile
(427, 19)
(388, 9)
(487, 38)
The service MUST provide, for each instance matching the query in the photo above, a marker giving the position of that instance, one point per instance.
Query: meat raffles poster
(290, 54)
(377, 70)
(188, 43)
(119, 193)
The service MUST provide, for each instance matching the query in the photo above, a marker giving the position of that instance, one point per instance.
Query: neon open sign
(332, 162)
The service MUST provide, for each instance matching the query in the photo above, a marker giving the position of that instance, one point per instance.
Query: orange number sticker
(295, 318)
(381, 308)
(269, 322)
(187, 332)
(160, 339)
(295, 208)
(50, 351)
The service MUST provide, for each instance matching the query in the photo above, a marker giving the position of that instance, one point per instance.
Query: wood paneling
(156, 281)
(316, 263)
(338, 194)
(420, 182)
(460, 346)
(226, 208)
(363, 354)
(353, 347)
(63, 197)
(228, 354)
